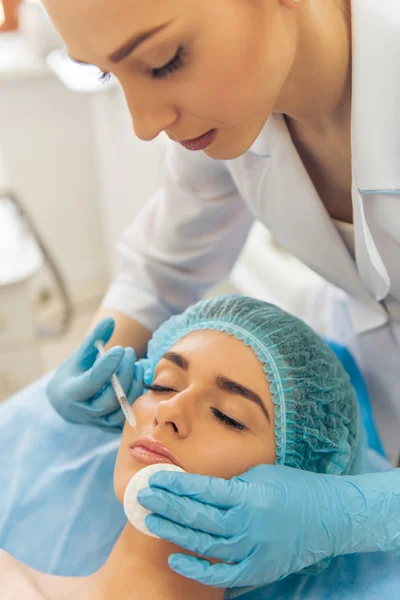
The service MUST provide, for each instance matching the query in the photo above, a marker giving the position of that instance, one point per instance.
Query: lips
(201, 142)
(149, 451)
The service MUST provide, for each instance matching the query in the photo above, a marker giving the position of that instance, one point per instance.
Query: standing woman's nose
(151, 110)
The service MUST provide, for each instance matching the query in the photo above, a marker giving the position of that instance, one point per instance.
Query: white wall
(47, 138)
(75, 163)
(129, 171)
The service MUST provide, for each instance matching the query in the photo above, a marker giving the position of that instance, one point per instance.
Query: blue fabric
(354, 577)
(58, 512)
(358, 382)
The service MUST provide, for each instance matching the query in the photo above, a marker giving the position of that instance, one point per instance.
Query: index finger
(87, 352)
(213, 491)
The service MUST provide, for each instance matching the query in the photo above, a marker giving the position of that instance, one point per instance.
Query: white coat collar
(375, 126)
(264, 144)
(375, 153)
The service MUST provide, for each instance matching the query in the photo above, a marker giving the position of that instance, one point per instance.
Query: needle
(118, 389)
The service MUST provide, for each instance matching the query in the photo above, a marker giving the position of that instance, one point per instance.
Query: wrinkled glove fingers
(100, 423)
(219, 493)
(194, 541)
(105, 402)
(219, 576)
(190, 513)
(76, 413)
(115, 420)
(87, 352)
(91, 381)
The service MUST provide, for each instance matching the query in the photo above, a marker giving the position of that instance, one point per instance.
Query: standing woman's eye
(104, 76)
(173, 65)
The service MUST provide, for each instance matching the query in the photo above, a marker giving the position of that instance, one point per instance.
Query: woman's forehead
(217, 353)
(101, 26)
(107, 10)
(218, 347)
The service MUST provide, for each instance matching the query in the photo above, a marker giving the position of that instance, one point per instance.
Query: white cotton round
(135, 512)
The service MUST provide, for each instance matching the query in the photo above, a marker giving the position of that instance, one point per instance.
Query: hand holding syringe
(119, 392)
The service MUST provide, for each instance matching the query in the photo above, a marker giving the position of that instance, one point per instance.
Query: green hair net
(316, 410)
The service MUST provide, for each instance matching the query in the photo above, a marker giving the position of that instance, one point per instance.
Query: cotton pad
(135, 512)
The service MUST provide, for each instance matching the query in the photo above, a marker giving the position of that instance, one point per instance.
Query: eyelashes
(104, 76)
(228, 421)
(173, 65)
(158, 388)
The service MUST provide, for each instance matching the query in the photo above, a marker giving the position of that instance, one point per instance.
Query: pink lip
(201, 142)
(150, 452)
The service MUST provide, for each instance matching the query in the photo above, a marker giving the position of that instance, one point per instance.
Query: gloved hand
(270, 522)
(80, 390)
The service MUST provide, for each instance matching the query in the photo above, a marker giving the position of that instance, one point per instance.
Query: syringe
(119, 392)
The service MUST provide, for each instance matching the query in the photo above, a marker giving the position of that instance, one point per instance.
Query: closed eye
(158, 388)
(228, 421)
(173, 65)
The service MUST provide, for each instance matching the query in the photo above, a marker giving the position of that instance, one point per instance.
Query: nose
(151, 111)
(176, 414)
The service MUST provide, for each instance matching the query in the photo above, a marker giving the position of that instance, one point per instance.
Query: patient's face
(209, 406)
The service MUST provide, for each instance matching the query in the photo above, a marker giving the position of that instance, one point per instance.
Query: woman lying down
(230, 384)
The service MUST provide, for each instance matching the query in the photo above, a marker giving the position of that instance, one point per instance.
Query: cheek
(221, 90)
(145, 408)
(231, 455)
(233, 77)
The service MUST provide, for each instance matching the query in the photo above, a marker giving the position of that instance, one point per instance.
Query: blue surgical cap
(315, 405)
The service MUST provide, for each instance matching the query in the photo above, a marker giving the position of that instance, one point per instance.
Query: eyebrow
(178, 360)
(126, 49)
(232, 387)
(222, 382)
(134, 42)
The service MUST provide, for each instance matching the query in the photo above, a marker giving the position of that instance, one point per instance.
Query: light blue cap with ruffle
(316, 411)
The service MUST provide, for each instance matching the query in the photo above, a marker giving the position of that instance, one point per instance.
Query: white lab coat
(190, 233)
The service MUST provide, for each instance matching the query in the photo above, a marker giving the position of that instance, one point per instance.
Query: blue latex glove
(270, 522)
(358, 382)
(80, 390)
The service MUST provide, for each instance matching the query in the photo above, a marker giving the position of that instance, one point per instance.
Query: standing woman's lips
(150, 452)
(201, 142)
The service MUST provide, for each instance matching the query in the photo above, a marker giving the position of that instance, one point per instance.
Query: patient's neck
(138, 568)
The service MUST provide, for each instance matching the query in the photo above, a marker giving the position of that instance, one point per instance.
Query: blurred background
(72, 176)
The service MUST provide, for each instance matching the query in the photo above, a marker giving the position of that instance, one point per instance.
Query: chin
(228, 151)
(221, 155)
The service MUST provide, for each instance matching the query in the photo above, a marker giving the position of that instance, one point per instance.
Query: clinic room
(199, 299)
